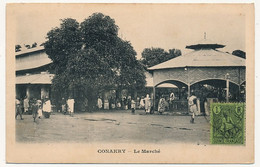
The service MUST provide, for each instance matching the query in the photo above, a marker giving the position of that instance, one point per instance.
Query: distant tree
(17, 48)
(90, 57)
(34, 45)
(174, 53)
(154, 56)
(239, 53)
(28, 46)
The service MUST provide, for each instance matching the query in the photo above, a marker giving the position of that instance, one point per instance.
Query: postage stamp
(227, 123)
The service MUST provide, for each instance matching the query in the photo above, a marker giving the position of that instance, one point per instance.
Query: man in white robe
(47, 108)
(193, 106)
(99, 103)
(147, 102)
(71, 106)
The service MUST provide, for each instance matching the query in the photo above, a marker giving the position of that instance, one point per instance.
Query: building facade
(33, 78)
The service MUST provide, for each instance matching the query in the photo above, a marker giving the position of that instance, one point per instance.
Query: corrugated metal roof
(202, 58)
(43, 78)
(31, 63)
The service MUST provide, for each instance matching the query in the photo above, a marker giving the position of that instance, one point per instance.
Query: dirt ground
(113, 126)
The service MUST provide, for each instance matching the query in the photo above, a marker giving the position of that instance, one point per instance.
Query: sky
(145, 25)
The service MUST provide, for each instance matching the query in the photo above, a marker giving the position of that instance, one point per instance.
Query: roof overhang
(42, 78)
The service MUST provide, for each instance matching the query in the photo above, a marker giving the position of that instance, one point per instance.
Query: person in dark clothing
(125, 103)
(133, 106)
(129, 102)
(110, 103)
(34, 109)
(18, 108)
(64, 105)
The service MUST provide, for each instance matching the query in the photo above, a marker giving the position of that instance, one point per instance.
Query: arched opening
(172, 87)
(214, 90)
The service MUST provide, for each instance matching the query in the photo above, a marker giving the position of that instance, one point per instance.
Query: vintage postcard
(129, 83)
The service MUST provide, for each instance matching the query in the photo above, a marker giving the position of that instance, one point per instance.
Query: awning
(43, 78)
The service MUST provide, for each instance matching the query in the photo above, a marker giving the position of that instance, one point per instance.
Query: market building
(206, 71)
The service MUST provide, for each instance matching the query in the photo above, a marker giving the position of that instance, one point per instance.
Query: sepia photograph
(130, 83)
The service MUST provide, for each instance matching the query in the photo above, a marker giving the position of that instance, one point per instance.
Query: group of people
(67, 106)
(36, 107)
(127, 103)
(111, 103)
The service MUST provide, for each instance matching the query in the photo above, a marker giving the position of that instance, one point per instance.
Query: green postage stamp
(227, 123)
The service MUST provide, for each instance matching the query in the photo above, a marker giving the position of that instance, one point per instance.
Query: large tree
(154, 56)
(90, 57)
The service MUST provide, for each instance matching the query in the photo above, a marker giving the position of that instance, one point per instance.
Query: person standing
(122, 103)
(133, 106)
(106, 104)
(113, 103)
(34, 109)
(18, 109)
(63, 106)
(110, 103)
(118, 104)
(137, 102)
(125, 103)
(147, 104)
(99, 103)
(192, 100)
(161, 105)
(141, 106)
(71, 106)
(47, 108)
(172, 98)
(39, 104)
(26, 104)
(129, 102)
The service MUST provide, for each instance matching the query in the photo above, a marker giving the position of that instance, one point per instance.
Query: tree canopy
(17, 48)
(89, 57)
(154, 56)
(239, 53)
